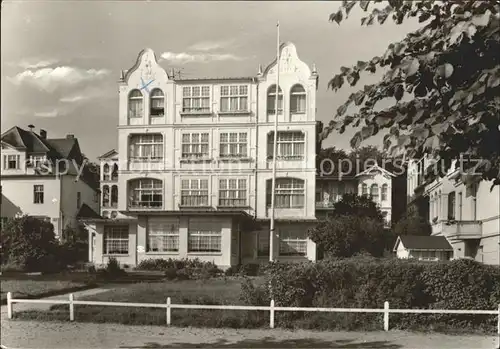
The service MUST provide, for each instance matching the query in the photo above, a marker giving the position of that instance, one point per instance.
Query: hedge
(364, 282)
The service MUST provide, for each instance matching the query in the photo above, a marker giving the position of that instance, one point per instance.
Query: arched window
(364, 189)
(146, 147)
(271, 100)
(374, 192)
(157, 103)
(105, 172)
(297, 99)
(146, 193)
(384, 192)
(135, 104)
(290, 193)
(114, 196)
(114, 174)
(105, 196)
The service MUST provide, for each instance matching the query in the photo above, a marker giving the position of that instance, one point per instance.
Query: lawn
(213, 291)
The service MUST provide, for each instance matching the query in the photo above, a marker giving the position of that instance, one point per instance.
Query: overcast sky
(61, 60)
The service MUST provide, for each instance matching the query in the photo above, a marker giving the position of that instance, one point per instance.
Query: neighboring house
(39, 177)
(464, 209)
(424, 248)
(375, 182)
(194, 162)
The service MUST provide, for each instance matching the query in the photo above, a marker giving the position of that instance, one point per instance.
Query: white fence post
(169, 319)
(9, 305)
(386, 316)
(498, 325)
(71, 308)
(271, 320)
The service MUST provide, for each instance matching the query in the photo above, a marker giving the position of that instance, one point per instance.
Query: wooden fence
(168, 306)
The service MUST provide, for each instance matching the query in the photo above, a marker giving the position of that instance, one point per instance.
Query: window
(298, 99)
(204, 237)
(451, 206)
(263, 244)
(37, 160)
(232, 192)
(289, 193)
(116, 239)
(271, 100)
(114, 174)
(384, 192)
(114, 196)
(78, 199)
(428, 255)
(11, 162)
(196, 99)
(293, 242)
(38, 194)
(439, 208)
(460, 204)
(157, 101)
(146, 147)
(135, 108)
(233, 144)
(374, 192)
(195, 145)
(194, 192)
(364, 189)
(163, 236)
(290, 145)
(234, 98)
(105, 172)
(146, 193)
(105, 196)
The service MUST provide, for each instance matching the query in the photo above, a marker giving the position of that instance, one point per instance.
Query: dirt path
(63, 335)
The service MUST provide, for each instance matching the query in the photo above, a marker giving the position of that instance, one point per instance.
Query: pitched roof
(86, 211)
(412, 242)
(108, 154)
(63, 146)
(374, 168)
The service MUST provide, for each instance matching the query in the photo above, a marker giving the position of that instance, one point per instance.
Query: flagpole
(275, 147)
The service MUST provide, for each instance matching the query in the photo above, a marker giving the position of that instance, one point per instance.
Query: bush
(367, 282)
(412, 224)
(250, 269)
(181, 269)
(29, 244)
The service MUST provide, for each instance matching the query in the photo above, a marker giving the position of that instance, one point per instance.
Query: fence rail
(168, 306)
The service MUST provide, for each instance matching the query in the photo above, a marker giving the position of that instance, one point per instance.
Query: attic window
(11, 162)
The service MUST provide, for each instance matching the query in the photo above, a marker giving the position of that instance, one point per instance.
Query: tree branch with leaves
(449, 73)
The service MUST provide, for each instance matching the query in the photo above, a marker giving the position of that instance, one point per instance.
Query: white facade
(41, 191)
(194, 166)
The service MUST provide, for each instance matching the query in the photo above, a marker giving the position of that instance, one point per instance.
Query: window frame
(287, 194)
(131, 98)
(240, 191)
(152, 98)
(375, 188)
(384, 192)
(238, 96)
(142, 144)
(270, 106)
(187, 199)
(38, 196)
(284, 143)
(163, 236)
(107, 240)
(198, 231)
(190, 145)
(7, 160)
(294, 98)
(143, 191)
(241, 145)
(263, 246)
(191, 98)
(287, 239)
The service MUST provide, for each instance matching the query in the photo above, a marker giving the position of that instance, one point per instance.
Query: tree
(75, 245)
(413, 224)
(29, 244)
(346, 235)
(355, 205)
(448, 71)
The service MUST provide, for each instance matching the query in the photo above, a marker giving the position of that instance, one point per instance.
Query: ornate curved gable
(290, 62)
(146, 67)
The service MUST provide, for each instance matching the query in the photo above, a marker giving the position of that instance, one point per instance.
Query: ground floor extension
(223, 238)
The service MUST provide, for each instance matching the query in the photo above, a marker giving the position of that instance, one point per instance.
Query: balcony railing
(459, 229)
(142, 205)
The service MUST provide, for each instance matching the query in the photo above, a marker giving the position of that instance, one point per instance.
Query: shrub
(367, 282)
(412, 224)
(182, 269)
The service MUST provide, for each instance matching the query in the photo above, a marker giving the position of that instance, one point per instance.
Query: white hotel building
(193, 166)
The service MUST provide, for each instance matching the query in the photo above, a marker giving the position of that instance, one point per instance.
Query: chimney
(31, 127)
(43, 134)
(70, 136)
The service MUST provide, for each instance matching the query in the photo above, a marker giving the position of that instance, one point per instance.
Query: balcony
(458, 229)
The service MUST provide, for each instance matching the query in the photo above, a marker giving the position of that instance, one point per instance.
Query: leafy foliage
(181, 269)
(448, 71)
(363, 282)
(29, 243)
(413, 224)
(75, 246)
(357, 205)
